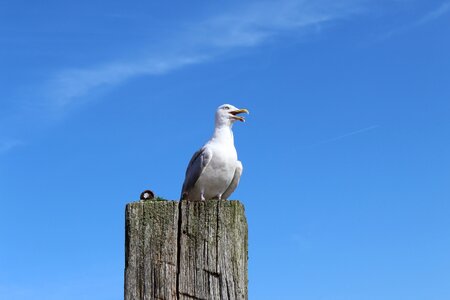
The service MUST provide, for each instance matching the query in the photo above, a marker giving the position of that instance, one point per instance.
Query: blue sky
(345, 153)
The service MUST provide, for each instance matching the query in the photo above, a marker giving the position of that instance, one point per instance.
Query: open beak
(234, 114)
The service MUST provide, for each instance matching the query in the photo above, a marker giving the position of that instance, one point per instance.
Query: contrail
(343, 136)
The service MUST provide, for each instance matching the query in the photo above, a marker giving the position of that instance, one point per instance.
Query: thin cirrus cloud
(257, 23)
(70, 85)
(249, 26)
(430, 16)
(442, 10)
(243, 26)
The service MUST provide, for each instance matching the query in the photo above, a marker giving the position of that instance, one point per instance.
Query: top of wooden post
(186, 250)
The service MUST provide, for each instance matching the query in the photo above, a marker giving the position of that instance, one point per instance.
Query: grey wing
(197, 164)
(234, 183)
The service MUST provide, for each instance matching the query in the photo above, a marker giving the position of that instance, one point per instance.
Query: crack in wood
(212, 273)
(179, 248)
(192, 296)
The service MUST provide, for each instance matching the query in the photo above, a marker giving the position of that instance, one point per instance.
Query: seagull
(214, 170)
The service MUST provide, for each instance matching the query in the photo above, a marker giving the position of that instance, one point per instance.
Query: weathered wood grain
(186, 250)
(151, 250)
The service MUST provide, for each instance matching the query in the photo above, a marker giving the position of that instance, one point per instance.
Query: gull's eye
(226, 107)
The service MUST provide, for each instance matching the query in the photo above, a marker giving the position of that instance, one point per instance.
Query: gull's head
(227, 114)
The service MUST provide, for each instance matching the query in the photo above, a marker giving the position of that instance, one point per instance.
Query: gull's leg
(202, 195)
(217, 197)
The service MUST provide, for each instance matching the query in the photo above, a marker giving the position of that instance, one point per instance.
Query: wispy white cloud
(259, 22)
(430, 16)
(247, 26)
(70, 85)
(442, 10)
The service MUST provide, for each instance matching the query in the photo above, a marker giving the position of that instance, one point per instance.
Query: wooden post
(186, 250)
